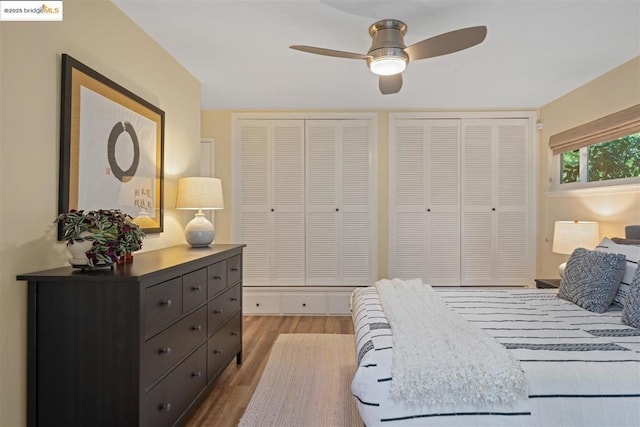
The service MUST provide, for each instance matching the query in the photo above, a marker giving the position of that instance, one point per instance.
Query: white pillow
(632, 252)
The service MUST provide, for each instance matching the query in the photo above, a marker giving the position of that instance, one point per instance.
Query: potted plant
(104, 236)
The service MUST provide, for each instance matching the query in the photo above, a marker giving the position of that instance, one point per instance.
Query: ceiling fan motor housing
(388, 41)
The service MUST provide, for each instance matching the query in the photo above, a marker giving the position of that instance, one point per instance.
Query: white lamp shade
(199, 193)
(570, 235)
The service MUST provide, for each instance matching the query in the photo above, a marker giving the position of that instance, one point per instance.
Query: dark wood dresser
(139, 344)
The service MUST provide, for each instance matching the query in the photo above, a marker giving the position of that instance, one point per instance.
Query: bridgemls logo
(30, 10)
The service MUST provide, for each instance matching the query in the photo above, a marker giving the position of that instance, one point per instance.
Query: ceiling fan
(388, 55)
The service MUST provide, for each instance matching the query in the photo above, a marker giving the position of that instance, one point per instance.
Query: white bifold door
(339, 203)
(271, 191)
(459, 192)
(495, 202)
(424, 196)
(306, 191)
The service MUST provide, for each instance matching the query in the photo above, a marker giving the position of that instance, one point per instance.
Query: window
(615, 159)
(604, 151)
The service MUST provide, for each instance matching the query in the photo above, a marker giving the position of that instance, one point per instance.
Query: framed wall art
(111, 148)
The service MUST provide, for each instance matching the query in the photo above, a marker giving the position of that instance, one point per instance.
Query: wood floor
(233, 389)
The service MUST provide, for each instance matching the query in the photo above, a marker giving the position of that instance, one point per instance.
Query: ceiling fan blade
(390, 84)
(329, 52)
(446, 43)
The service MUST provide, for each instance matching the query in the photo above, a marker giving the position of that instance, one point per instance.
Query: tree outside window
(615, 159)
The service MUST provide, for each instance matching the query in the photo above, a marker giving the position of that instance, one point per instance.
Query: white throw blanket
(441, 359)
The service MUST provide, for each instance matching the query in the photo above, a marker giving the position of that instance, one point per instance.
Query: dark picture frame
(111, 148)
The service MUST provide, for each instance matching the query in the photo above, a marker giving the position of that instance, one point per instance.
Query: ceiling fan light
(387, 65)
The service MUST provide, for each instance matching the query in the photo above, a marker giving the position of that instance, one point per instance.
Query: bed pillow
(632, 252)
(631, 310)
(592, 278)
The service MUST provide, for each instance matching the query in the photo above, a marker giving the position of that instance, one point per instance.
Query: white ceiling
(535, 51)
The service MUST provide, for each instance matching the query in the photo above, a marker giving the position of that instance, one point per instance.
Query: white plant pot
(78, 250)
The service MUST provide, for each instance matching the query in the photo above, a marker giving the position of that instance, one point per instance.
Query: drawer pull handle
(304, 304)
(257, 304)
(234, 269)
(217, 351)
(234, 299)
(164, 407)
(217, 277)
(196, 374)
(217, 311)
(166, 303)
(196, 328)
(196, 288)
(164, 351)
(234, 334)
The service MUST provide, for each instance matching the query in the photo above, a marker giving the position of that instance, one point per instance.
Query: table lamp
(570, 235)
(199, 193)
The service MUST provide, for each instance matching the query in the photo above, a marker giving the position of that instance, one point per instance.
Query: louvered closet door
(495, 202)
(338, 226)
(443, 202)
(424, 200)
(272, 201)
(512, 195)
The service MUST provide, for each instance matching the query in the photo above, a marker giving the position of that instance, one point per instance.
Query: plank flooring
(228, 399)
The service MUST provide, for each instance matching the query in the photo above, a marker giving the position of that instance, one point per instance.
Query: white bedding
(583, 368)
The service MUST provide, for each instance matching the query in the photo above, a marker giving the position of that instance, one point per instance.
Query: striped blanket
(583, 368)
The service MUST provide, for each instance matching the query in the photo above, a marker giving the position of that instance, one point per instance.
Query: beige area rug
(306, 383)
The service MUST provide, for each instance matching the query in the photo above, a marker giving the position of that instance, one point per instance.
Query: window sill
(601, 187)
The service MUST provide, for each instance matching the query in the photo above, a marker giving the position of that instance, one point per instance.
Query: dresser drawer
(339, 303)
(303, 304)
(194, 289)
(162, 304)
(167, 401)
(164, 350)
(261, 303)
(234, 269)
(223, 345)
(217, 277)
(223, 306)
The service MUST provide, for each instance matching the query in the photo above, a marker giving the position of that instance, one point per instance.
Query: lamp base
(561, 268)
(199, 232)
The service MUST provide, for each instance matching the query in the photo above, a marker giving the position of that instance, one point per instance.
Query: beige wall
(612, 207)
(99, 35)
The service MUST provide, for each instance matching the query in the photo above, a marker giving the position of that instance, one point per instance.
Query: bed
(581, 368)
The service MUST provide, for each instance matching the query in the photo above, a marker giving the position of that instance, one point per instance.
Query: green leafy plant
(112, 232)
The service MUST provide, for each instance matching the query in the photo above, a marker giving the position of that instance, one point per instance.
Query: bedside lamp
(199, 193)
(570, 235)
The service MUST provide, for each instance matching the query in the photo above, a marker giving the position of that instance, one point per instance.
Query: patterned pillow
(592, 278)
(633, 258)
(631, 310)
